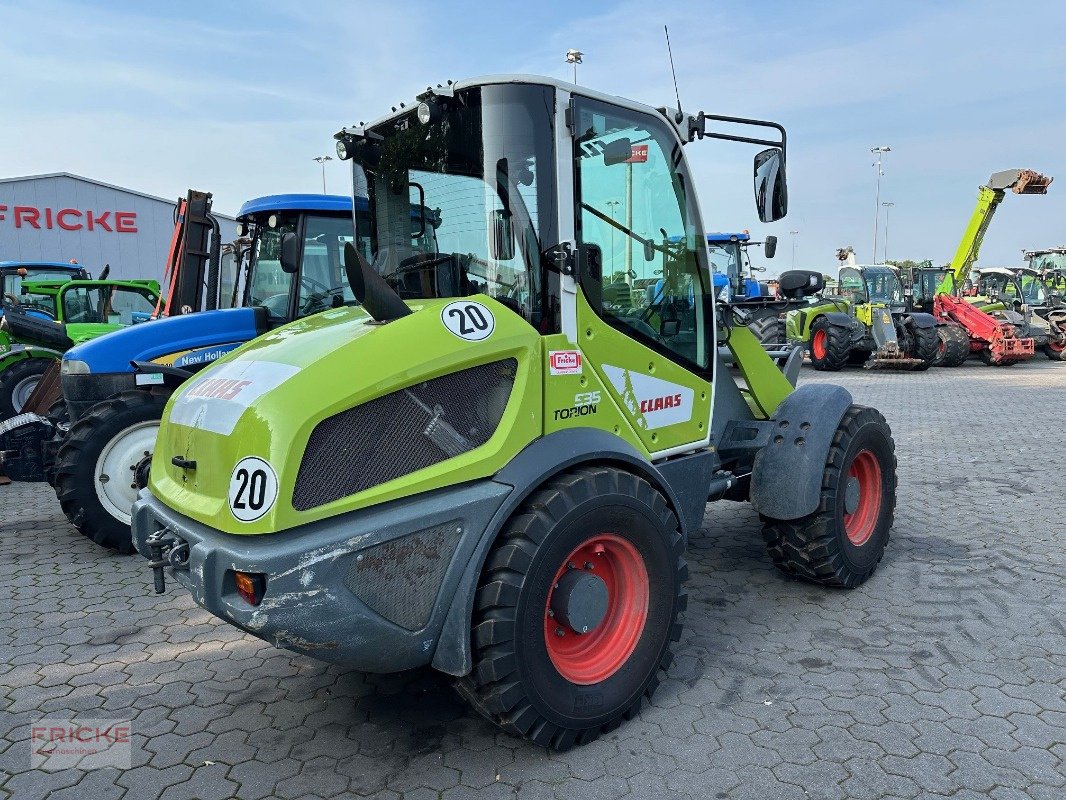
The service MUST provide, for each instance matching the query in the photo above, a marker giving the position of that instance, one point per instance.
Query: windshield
(13, 281)
(1046, 261)
(884, 287)
(484, 168)
(1034, 291)
(725, 259)
(321, 283)
(107, 304)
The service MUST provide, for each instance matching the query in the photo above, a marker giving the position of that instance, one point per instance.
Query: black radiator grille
(401, 432)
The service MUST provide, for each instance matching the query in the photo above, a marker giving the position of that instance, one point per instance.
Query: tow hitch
(166, 549)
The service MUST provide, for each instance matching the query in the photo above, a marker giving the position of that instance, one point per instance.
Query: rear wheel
(926, 344)
(988, 360)
(842, 542)
(96, 468)
(1056, 351)
(830, 346)
(953, 346)
(17, 383)
(770, 331)
(577, 609)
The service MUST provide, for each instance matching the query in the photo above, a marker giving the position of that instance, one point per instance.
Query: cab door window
(635, 206)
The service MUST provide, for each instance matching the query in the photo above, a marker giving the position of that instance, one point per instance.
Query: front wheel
(17, 383)
(830, 346)
(96, 472)
(1056, 351)
(953, 347)
(843, 541)
(577, 608)
(926, 344)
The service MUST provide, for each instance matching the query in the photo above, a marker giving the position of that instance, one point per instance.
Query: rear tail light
(251, 586)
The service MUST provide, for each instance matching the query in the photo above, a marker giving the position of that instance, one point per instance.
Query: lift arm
(989, 196)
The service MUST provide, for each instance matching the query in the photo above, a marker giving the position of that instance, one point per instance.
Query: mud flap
(786, 480)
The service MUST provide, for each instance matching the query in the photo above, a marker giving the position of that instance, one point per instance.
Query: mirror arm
(697, 129)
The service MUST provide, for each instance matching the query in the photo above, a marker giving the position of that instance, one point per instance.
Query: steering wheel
(14, 300)
(316, 299)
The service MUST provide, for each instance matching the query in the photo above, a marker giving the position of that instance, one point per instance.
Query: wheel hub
(580, 601)
(141, 470)
(851, 495)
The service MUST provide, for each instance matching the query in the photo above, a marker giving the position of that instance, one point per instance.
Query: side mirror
(769, 247)
(290, 253)
(617, 152)
(798, 283)
(771, 191)
(502, 235)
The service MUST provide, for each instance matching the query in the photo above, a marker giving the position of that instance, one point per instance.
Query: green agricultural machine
(865, 322)
(48, 317)
(1023, 299)
(488, 467)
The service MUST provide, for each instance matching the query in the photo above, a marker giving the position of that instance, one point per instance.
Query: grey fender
(919, 319)
(683, 481)
(786, 479)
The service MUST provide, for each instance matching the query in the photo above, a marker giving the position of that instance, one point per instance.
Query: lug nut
(560, 632)
(588, 565)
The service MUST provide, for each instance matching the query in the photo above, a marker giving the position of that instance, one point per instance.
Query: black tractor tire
(833, 546)
(1055, 353)
(534, 675)
(953, 347)
(770, 331)
(92, 437)
(926, 343)
(829, 346)
(857, 357)
(14, 381)
(986, 359)
(58, 414)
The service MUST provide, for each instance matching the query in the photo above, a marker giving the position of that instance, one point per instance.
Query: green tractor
(865, 322)
(48, 317)
(490, 467)
(1023, 299)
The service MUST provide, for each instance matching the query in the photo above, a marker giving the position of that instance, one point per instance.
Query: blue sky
(237, 98)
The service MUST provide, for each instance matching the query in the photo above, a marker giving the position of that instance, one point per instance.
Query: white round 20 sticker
(468, 320)
(253, 488)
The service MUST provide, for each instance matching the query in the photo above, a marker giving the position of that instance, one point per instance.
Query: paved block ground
(942, 676)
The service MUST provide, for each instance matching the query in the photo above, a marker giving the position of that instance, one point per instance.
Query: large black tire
(770, 331)
(1056, 352)
(17, 383)
(986, 359)
(926, 343)
(102, 436)
(953, 347)
(829, 346)
(832, 546)
(58, 414)
(522, 679)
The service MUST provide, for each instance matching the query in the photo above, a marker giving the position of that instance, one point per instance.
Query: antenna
(669, 50)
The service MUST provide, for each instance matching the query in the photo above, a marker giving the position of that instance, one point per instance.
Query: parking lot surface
(944, 675)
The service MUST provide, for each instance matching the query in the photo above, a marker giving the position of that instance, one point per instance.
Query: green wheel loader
(488, 467)
(866, 323)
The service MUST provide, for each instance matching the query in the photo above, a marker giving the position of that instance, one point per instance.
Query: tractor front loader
(866, 323)
(491, 466)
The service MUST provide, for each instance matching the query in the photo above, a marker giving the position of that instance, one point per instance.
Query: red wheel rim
(595, 656)
(1057, 347)
(860, 524)
(818, 344)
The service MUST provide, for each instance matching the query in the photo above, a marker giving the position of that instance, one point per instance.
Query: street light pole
(880, 151)
(574, 57)
(886, 206)
(794, 234)
(322, 163)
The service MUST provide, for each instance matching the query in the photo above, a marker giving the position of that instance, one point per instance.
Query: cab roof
(299, 202)
(41, 264)
(728, 237)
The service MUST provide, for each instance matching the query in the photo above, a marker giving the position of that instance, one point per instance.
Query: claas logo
(660, 403)
(218, 388)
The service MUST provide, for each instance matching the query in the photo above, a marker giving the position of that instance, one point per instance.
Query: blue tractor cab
(729, 263)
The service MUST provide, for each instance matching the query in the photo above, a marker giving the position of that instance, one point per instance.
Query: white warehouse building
(59, 217)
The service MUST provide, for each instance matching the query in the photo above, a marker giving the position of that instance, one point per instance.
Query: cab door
(646, 309)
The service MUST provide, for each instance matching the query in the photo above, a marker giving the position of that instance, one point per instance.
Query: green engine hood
(264, 400)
